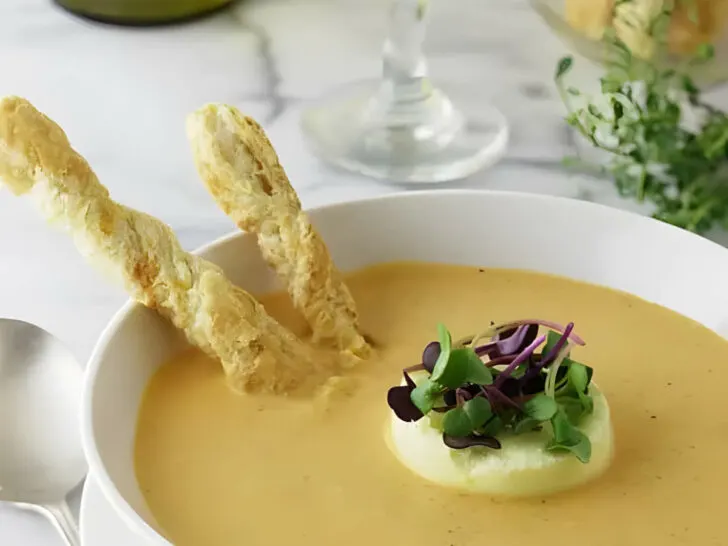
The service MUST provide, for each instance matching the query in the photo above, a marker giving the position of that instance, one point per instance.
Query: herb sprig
(640, 119)
(506, 380)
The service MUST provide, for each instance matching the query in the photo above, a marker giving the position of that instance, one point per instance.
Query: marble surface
(122, 94)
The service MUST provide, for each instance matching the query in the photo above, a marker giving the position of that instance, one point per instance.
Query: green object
(473, 402)
(464, 366)
(142, 12)
(552, 338)
(569, 438)
(655, 157)
(443, 336)
(463, 420)
(457, 396)
(540, 407)
(425, 395)
(475, 372)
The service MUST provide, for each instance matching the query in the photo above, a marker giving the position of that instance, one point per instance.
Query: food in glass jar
(692, 22)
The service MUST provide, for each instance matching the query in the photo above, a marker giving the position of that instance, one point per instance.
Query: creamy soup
(218, 468)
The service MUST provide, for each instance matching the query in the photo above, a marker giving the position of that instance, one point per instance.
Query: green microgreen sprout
(507, 380)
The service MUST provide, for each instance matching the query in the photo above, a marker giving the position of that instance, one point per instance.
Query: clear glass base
(362, 129)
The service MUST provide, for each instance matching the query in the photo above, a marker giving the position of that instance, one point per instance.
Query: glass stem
(404, 75)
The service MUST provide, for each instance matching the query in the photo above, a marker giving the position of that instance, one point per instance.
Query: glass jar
(581, 25)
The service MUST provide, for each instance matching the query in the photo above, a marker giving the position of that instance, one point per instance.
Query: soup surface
(218, 468)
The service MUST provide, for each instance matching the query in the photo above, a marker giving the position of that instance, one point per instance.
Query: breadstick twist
(257, 353)
(241, 170)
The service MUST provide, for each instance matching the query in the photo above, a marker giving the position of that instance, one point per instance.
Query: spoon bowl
(40, 393)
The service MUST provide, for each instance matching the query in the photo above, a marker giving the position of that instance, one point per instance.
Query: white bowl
(579, 240)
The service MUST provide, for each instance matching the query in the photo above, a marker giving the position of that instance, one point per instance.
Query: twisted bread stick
(241, 170)
(256, 352)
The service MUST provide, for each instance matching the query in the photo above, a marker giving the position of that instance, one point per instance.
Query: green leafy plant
(641, 119)
(507, 380)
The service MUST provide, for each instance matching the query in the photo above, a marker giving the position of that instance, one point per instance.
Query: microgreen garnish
(569, 438)
(641, 119)
(507, 380)
(464, 419)
(444, 345)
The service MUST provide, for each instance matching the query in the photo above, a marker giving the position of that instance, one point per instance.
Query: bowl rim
(95, 463)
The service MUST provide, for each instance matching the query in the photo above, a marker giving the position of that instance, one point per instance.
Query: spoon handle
(64, 521)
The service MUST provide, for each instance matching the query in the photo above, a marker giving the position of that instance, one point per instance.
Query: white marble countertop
(122, 94)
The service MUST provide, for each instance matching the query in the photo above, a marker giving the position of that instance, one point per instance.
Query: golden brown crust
(257, 353)
(241, 170)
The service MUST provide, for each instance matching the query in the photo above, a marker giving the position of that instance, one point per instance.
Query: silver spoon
(41, 458)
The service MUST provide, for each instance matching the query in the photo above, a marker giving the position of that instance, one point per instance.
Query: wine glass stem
(404, 74)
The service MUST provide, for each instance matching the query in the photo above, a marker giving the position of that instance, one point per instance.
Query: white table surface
(122, 94)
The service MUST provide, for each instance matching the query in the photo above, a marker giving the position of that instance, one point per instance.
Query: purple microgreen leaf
(474, 401)
(486, 349)
(522, 356)
(546, 323)
(507, 359)
(464, 442)
(554, 344)
(515, 340)
(533, 384)
(430, 355)
(510, 387)
(401, 404)
(520, 370)
(503, 334)
(495, 396)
